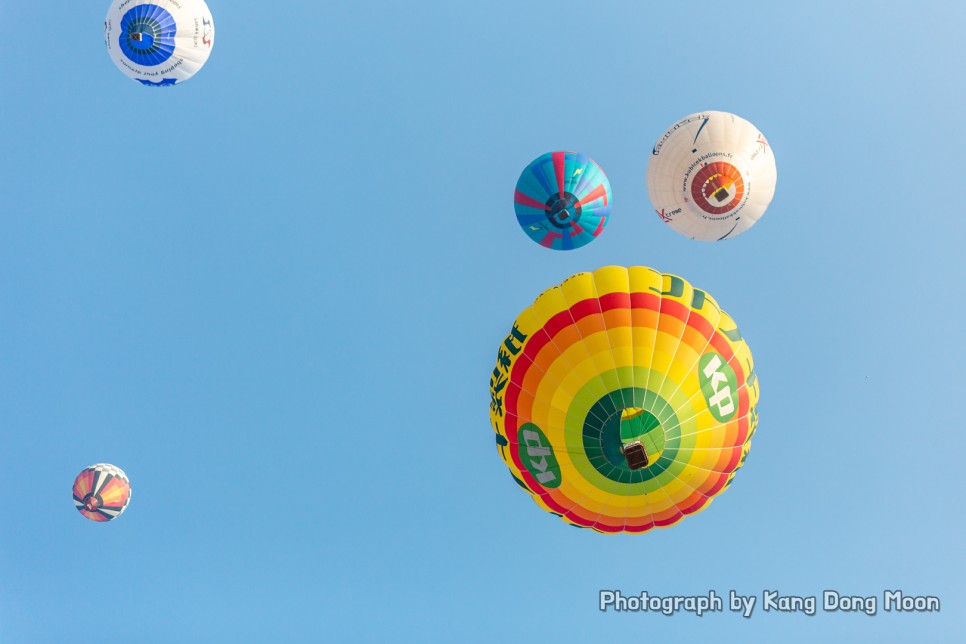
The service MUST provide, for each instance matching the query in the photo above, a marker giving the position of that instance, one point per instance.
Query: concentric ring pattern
(615, 360)
(562, 200)
(102, 492)
(147, 34)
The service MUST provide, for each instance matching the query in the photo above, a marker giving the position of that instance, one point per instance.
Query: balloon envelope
(623, 399)
(159, 42)
(562, 200)
(711, 176)
(102, 492)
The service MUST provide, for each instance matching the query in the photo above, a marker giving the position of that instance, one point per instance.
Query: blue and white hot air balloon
(159, 42)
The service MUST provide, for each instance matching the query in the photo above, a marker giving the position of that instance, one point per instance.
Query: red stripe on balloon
(600, 226)
(558, 167)
(524, 200)
(597, 193)
(549, 239)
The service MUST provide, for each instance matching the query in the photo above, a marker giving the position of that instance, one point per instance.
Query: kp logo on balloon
(537, 456)
(718, 382)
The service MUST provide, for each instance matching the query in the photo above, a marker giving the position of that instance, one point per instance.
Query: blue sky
(273, 295)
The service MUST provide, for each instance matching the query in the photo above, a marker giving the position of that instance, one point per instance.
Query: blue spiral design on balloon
(147, 35)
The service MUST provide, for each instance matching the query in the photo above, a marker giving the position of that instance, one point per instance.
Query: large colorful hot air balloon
(562, 200)
(159, 42)
(102, 492)
(623, 399)
(711, 176)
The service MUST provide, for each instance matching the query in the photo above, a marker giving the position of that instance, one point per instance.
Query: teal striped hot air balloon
(562, 200)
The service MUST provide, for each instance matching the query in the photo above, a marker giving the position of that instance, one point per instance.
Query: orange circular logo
(717, 187)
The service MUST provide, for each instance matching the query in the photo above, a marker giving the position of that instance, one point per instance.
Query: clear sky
(274, 294)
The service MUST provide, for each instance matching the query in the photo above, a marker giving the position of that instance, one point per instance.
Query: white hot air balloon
(159, 42)
(711, 176)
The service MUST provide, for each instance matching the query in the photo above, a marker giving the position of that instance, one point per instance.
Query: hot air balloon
(711, 176)
(159, 42)
(623, 400)
(562, 200)
(102, 492)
